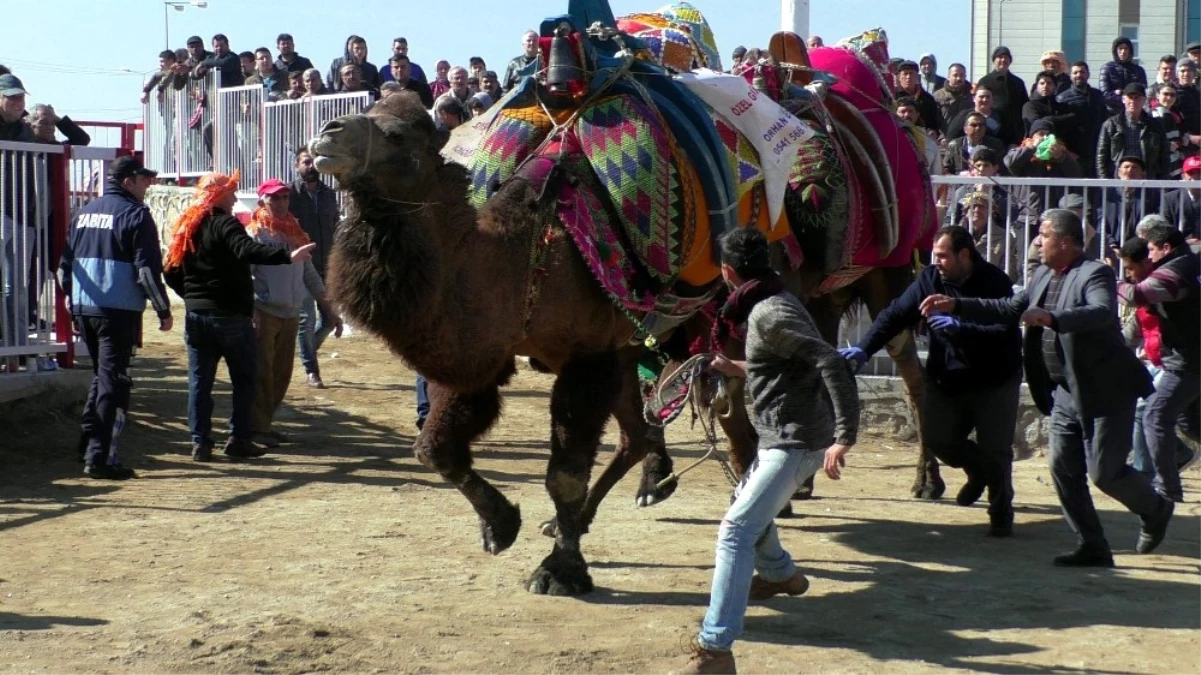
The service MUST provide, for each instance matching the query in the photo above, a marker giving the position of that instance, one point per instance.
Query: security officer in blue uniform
(112, 264)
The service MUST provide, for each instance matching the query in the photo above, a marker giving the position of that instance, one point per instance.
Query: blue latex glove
(945, 323)
(855, 356)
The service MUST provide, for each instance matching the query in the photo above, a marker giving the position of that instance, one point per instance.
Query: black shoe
(420, 423)
(971, 492)
(202, 452)
(242, 449)
(108, 472)
(1085, 557)
(1152, 534)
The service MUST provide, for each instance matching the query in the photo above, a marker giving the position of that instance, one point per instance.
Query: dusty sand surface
(341, 553)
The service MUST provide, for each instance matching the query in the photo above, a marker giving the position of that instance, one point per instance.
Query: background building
(1082, 29)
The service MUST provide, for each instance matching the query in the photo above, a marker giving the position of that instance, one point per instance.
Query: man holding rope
(786, 366)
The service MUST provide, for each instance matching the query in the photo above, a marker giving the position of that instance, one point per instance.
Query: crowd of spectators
(453, 95)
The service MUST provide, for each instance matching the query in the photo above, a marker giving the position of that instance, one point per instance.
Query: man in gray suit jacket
(1081, 373)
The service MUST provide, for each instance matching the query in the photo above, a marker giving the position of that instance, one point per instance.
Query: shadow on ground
(943, 593)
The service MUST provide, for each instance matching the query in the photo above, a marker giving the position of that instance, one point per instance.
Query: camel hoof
(500, 532)
(560, 574)
(649, 494)
(550, 528)
(929, 490)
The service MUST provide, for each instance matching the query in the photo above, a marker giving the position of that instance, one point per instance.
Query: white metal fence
(178, 128)
(1112, 209)
(27, 318)
(239, 133)
(288, 126)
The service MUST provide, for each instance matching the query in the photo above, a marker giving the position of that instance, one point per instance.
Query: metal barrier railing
(32, 218)
(238, 134)
(1112, 210)
(87, 169)
(114, 134)
(288, 126)
(177, 128)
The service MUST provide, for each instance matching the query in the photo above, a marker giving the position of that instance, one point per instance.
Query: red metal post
(60, 226)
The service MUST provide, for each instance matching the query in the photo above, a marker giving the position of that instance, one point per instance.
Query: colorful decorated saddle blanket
(636, 222)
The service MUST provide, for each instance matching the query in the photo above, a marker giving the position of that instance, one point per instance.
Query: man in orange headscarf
(208, 265)
(280, 292)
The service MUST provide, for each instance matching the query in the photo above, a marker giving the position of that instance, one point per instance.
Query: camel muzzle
(328, 154)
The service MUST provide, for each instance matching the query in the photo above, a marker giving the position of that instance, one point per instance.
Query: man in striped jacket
(112, 264)
(1171, 291)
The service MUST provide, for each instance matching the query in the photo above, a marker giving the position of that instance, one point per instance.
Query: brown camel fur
(446, 288)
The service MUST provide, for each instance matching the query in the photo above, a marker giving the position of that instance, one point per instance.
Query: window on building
(1130, 32)
(1192, 25)
(1073, 30)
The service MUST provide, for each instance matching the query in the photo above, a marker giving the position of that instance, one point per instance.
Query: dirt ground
(341, 553)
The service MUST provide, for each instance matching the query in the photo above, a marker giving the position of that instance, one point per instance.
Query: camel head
(389, 150)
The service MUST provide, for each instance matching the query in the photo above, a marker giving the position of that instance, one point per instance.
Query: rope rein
(686, 386)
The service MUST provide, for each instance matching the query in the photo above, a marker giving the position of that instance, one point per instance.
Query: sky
(90, 58)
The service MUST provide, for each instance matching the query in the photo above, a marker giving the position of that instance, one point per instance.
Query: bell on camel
(563, 68)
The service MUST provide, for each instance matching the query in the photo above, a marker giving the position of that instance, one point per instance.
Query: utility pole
(794, 16)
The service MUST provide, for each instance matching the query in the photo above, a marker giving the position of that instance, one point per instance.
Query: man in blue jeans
(315, 206)
(208, 265)
(788, 370)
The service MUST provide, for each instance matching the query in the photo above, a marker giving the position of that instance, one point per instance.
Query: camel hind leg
(455, 420)
(640, 442)
(581, 402)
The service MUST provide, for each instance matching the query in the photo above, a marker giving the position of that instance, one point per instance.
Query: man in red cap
(1182, 207)
(280, 292)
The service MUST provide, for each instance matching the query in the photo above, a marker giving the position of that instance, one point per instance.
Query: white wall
(1027, 27)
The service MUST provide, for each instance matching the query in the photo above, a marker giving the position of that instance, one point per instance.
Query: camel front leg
(581, 402)
(444, 445)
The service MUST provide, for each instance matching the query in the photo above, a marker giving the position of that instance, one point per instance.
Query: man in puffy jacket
(1119, 72)
(111, 266)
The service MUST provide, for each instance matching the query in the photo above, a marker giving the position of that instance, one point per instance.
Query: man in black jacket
(908, 85)
(1081, 373)
(1171, 292)
(110, 267)
(973, 373)
(223, 60)
(1133, 133)
(1086, 110)
(1182, 207)
(289, 61)
(1009, 95)
(208, 265)
(315, 206)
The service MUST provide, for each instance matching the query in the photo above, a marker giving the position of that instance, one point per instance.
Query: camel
(445, 288)
(458, 292)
